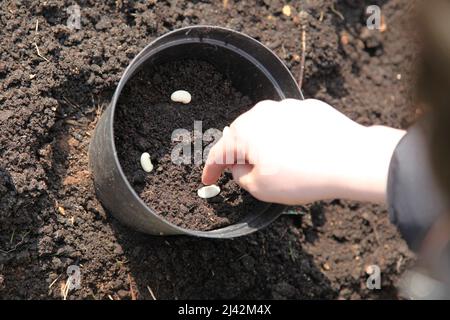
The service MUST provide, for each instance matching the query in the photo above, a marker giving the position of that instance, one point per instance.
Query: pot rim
(230, 231)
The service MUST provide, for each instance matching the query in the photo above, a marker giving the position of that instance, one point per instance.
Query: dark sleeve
(413, 196)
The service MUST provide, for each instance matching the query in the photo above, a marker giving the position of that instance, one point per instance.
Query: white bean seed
(181, 96)
(146, 162)
(208, 191)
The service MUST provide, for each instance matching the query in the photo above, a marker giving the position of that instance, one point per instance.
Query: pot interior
(246, 73)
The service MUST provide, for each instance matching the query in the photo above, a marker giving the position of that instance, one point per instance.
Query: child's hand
(295, 152)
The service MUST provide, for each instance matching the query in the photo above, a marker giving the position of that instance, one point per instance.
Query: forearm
(364, 175)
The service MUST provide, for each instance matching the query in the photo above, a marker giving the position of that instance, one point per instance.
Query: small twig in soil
(374, 227)
(73, 104)
(98, 113)
(36, 29)
(16, 245)
(335, 11)
(53, 282)
(321, 16)
(39, 53)
(383, 26)
(66, 288)
(302, 61)
(398, 265)
(12, 237)
(242, 257)
(73, 123)
(284, 234)
(292, 253)
(151, 292)
(263, 248)
(225, 4)
(293, 212)
(132, 293)
(283, 49)
(110, 297)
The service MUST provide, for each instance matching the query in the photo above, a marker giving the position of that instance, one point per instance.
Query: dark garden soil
(145, 120)
(54, 84)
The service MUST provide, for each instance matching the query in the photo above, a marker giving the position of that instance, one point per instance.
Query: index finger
(218, 158)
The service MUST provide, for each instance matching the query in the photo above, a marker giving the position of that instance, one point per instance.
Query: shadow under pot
(225, 73)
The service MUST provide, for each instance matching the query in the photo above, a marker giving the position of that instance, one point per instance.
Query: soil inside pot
(144, 122)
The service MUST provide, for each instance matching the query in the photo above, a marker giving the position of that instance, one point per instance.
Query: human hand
(296, 152)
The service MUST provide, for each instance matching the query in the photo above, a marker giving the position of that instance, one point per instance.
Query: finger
(221, 156)
(213, 168)
(242, 174)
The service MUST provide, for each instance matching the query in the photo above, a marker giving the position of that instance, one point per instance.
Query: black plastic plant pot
(252, 68)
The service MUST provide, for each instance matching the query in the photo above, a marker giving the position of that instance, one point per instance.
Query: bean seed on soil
(181, 96)
(208, 191)
(146, 162)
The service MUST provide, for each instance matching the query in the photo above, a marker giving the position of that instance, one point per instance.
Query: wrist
(364, 175)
